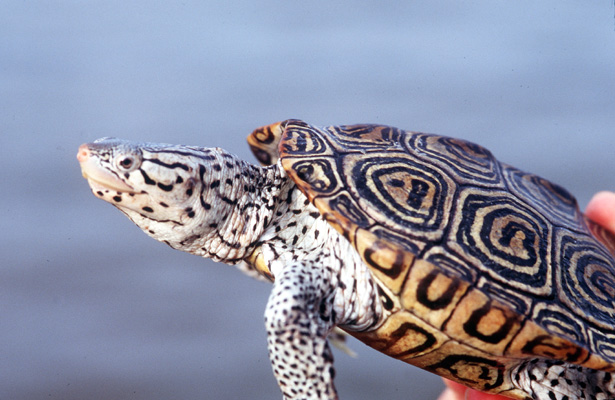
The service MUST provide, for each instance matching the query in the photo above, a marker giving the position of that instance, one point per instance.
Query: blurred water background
(91, 308)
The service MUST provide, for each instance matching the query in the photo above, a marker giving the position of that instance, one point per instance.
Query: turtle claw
(337, 338)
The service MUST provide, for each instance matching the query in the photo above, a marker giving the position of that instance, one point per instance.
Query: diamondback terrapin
(424, 247)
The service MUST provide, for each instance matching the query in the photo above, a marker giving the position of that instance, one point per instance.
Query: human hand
(601, 210)
(456, 391)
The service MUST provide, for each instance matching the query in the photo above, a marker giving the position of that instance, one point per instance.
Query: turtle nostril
(83, 154)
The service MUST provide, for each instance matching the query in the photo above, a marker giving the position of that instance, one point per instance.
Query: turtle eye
(126, 162)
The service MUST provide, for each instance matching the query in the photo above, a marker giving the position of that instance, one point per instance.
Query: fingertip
(476, 395)
(601, 210)
(448, 394)
(456, 390)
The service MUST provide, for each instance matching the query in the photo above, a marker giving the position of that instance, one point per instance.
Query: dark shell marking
(482, 265)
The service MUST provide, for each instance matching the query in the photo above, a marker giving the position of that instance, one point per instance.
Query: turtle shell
(479, 264)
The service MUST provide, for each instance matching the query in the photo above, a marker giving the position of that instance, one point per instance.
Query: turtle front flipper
(298, 318)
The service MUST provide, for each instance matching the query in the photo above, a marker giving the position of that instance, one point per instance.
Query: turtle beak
(97, 176)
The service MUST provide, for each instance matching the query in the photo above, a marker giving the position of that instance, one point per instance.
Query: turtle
(424, 247)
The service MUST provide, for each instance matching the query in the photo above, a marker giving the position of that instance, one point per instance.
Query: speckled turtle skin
(424, 247)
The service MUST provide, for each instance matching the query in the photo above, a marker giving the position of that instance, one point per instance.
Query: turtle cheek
(186, 200)
(117, 198)
(188, 216)
(145, 208)
(189, 188)
(141, 203)
(100, 194)
(110, 196)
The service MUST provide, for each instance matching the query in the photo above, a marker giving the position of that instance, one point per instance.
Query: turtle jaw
(98, 177)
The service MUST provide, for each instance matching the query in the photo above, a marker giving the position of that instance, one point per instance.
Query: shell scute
(432, 293)
(344, 214)
(469, 163)
(300, 139)
(483, 323)
(264, 142)
(389, 262)
(364, 138)
(404, 336)
(603, 345)
(503, 238)
(473, 367)
(585, 279)
(533, 341)
(553, 201)
(515, 300)
(606, 238)
(405, 195)
(317, 176)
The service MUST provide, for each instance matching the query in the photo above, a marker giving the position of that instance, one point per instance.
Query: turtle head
(158, 186)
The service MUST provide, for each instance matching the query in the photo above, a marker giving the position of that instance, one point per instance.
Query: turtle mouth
(99, 178)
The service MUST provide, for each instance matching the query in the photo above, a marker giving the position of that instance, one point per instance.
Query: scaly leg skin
(557, 380)
(298, 319)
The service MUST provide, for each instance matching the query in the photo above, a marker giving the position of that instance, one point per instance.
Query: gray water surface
(91, 308)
